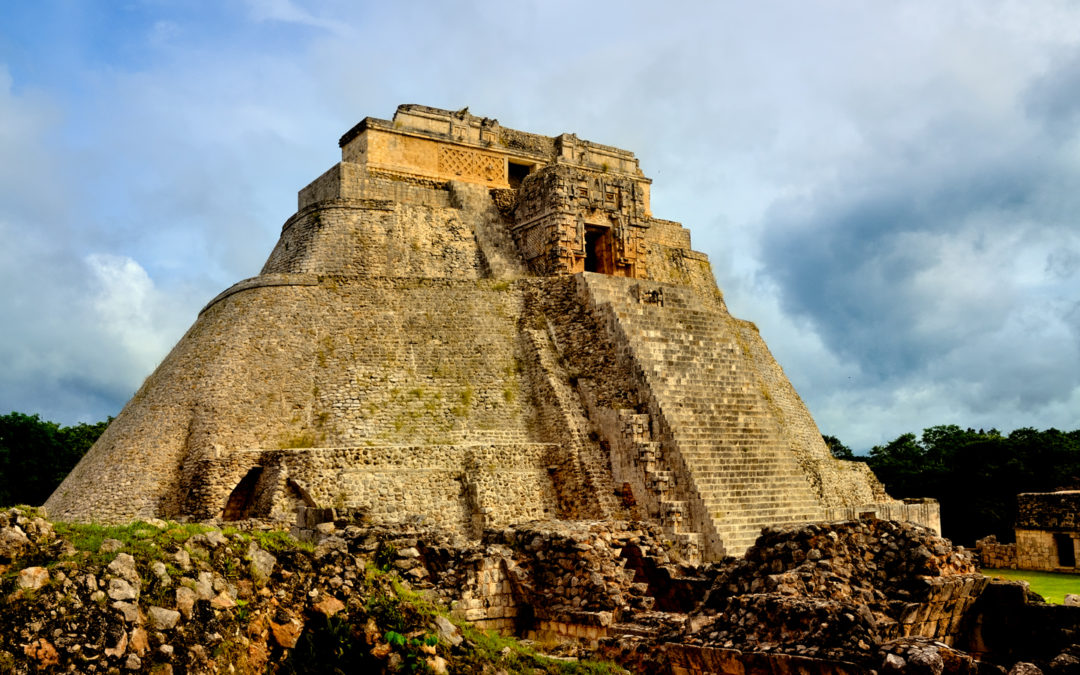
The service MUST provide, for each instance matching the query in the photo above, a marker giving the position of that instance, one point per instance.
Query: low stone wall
(924, 512)
(690, 660)
(462, 488)
(995, 555)
(551, 580)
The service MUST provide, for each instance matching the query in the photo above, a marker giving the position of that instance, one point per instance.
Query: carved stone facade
(582, 207)
(475, 326)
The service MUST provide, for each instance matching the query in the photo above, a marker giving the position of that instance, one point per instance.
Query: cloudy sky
(891, 191)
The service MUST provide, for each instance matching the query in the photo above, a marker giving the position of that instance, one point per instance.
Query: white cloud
(130, 309)
(287, 11)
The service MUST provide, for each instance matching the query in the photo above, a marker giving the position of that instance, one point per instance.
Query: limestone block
(32, 578)
(161, 618)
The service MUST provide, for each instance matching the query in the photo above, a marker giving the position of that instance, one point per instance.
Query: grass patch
(273, 541)
(1051, 585)
(142, 540)
(523, 659)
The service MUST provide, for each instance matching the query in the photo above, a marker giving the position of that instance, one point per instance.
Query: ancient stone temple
(471, 326)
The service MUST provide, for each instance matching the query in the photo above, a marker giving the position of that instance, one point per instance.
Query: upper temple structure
(476, 326)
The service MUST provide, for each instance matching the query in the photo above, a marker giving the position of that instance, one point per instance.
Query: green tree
(976, 475)
(838, 449)
(36, 454)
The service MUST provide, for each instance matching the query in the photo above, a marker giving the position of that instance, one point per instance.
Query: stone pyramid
(473, 326)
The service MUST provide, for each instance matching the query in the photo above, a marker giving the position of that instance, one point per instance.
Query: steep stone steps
(492, 236)
(720, 435)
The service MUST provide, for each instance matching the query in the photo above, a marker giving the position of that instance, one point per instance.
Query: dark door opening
(515, 173)
(1065, 552)
(598, 250)
(243, 496)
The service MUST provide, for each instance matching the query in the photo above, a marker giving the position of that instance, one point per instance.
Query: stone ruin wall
(843, 597)
(1047, 531)
(312, 366)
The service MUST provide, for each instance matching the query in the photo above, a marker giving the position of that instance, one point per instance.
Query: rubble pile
(184, 598)
(574, 572)
(836, 598)
(535, 576)
(838, 590)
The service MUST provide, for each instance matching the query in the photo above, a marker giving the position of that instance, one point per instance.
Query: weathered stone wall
(994, 554)
(1049, 510)
(463, 488)
(543, 579)
(348, 362)
(378, 239)
(669, 259)
(1047, 550)
(353, 182)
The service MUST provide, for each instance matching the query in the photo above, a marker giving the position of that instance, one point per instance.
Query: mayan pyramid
(471, 326)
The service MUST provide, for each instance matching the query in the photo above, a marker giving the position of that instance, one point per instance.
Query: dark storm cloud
(948, 255)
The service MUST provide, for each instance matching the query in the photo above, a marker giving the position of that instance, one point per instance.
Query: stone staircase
(663, 494)
(716, 431)
(589, 470)
(492, 236)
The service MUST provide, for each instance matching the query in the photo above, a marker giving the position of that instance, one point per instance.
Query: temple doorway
(1066, 554)
(598, 250)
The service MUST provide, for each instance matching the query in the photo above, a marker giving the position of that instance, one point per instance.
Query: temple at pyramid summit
(470, 326)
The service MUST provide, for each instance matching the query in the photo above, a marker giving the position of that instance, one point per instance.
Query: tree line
(975, 475)
(35, 455)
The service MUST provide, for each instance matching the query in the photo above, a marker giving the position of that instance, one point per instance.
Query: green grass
(142, 540)
(1051, 585)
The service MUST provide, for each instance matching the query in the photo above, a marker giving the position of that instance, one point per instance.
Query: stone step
(720, 427)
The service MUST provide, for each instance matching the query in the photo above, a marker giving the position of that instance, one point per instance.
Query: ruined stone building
(1047, 532)
(472, 326)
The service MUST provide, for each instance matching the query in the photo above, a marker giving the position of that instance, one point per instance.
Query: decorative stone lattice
(470, 164)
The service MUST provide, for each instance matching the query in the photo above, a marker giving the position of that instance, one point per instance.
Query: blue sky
(889, 190)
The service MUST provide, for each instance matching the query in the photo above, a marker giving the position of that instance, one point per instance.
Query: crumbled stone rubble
(194, 599)
(562, 572)
(860, 596)
(837, 590)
